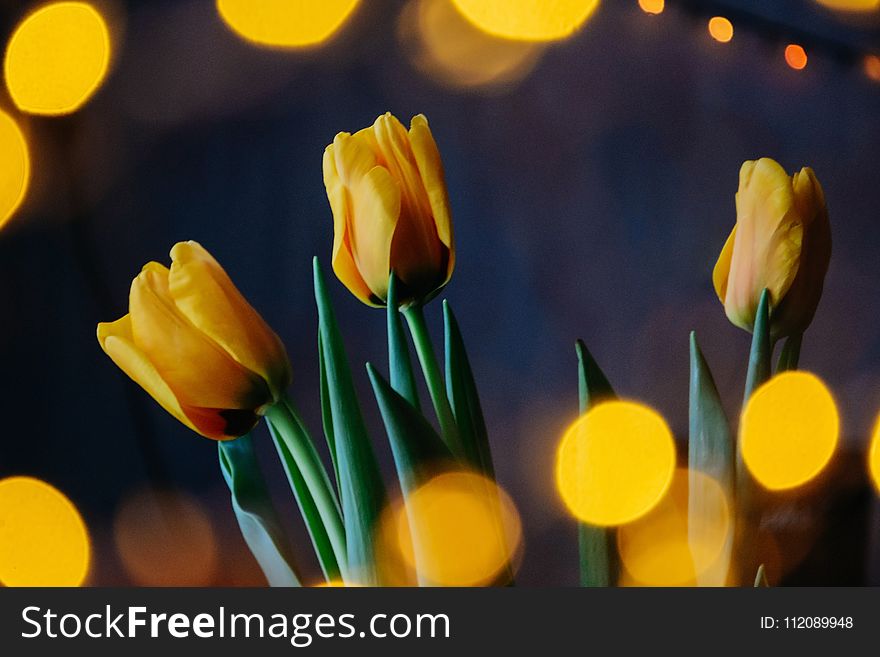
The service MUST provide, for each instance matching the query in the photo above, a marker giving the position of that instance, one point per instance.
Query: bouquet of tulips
(197, 346)
(203, 352)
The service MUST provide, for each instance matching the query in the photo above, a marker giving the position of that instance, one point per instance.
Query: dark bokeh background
(590, 200)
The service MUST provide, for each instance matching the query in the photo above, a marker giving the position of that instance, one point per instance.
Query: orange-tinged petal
(204, 294)
(342, 260)
(722, 268)
(376, 206)
(427, 157)
(117, 342)
(196, 368)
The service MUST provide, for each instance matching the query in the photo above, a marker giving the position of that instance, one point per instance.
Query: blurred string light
(286, 23)
(165, 538)
(459, 529)
(789, 430)
(615, 463)
(43, 539)
(14, 167)
(721, 29)
(445, 46)
(799, 42)
(874, 456)
(57, 58)
(662, 549)
(652, 6)
(871, 65)
(851, 5)
(528, 20)
(796, 56)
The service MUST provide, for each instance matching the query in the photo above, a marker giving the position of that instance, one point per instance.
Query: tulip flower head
(781, 242)
(390, 211)
(194, 343)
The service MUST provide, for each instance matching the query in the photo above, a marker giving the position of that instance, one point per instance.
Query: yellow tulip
(390, 211)
(781, 242)
(197, 346)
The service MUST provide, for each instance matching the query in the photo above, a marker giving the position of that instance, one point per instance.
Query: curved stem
(415, 318)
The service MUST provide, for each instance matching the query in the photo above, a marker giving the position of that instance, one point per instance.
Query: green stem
(415, 317)
(301, 447)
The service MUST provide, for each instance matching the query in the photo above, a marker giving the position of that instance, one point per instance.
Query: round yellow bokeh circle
(15, 167)
(874, 456)
(57, 58)
(528, 20)
(43, 539)
(789, 430)
(615, 463)
(285, 23)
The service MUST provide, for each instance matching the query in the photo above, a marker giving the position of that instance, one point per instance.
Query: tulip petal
(342, 260)
(204, 294)
(376, 203)
(722, 268)
(430, 166)
(117, 342)
(197, 369)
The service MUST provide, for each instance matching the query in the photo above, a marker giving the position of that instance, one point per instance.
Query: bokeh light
(721, 29)
(43, 539)
(615, 463)
(57, 58)
(451, 50)
(286, 23)
(795, 56)
(652, 6)
(851, 5)
(789, 430)
(871, 66)
(15, 167)
(528, 20)
(663, 549)
(165, 538)
(874, 456)
(459, 529)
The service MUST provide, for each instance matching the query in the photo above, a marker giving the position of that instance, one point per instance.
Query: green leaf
(399, 364)
(418, 328)
(748, 508)
(327, 412)
(791, 353)
(461, 389)
(761, 580)
(762, 349)
(710, 451)
(418, 450)
(361, 488)
(598, 555)
(256, 515)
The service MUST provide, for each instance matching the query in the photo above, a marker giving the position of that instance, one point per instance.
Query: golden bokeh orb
(15, 167)
(459, 529)
(286, 23)
(652, 6)
(528, 20)
(165, 538)
(615, 463)
(851, 5)
(43, 539)
(665, 548)
(874, 457)
(789, 430)
(796, 56)
(57, 58)
(721, 29)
